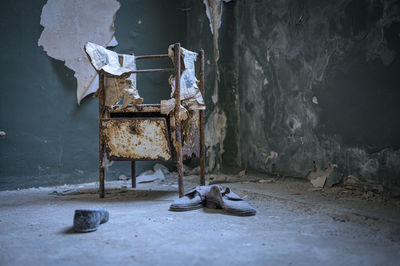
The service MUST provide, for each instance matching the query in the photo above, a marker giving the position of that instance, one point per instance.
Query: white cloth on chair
(120, 85)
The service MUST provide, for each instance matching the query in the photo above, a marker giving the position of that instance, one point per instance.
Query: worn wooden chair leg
(133, 173)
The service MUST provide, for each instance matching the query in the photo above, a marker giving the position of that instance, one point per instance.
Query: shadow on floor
(69, 230)
(118, 195)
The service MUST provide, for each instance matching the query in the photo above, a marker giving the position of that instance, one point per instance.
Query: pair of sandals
(213, 197)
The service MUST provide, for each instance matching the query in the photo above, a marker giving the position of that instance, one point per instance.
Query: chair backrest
(115, 96)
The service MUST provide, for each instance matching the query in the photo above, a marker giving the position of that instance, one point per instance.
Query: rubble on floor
(319, 181)
(242, 173)
(324, 178)
(350, 188)
(289, 228)
(150, 176)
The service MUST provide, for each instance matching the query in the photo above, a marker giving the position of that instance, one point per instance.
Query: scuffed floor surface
(293, 226)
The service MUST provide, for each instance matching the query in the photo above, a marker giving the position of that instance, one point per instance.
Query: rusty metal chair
(141, 132)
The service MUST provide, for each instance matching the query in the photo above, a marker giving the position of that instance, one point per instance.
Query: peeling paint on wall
(68, 25)
(214, 14)
(215, 133)
(217, 122)
(315, 82)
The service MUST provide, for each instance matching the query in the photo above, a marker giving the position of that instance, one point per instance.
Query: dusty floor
(293, 226)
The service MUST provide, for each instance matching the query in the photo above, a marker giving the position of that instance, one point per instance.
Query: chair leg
(202, 176)
(133, 173)
(101, 168)
(201, 87)
(178, 128)
(202, 150)
(101, 141)
(101, 184)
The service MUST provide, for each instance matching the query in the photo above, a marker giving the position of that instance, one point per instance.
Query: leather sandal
(88, 220)
(225, 199)
(191, 201)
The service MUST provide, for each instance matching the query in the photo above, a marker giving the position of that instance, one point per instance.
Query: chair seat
(144, 108)
(136, 139)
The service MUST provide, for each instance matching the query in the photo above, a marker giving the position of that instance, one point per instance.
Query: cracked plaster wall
(221, 126)
(308, 80)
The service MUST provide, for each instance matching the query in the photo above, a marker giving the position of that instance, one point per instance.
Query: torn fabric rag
(121, 84)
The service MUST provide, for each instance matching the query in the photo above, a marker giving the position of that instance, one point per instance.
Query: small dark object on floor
(88, 220)
(213, 197)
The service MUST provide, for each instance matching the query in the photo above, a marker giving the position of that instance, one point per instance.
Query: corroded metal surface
(101, 140)
(151, 56)
(201, 122)
(144, 108)
(136, 139)
(178, 132)
(191, 135)
(140, 132)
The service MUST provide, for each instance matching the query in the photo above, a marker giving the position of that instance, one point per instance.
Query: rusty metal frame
(175, 128)
(128, 119)
(202, 114)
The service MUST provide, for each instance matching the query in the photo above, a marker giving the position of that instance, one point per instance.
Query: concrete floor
(293, 226)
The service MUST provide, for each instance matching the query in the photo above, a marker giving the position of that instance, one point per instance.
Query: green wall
(346, 53)
(50, 139)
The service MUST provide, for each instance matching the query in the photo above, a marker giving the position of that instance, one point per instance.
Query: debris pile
(349, 185)
(150, 176)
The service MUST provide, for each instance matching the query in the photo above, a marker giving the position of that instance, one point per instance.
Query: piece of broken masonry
(213, 197)
(88, 220)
